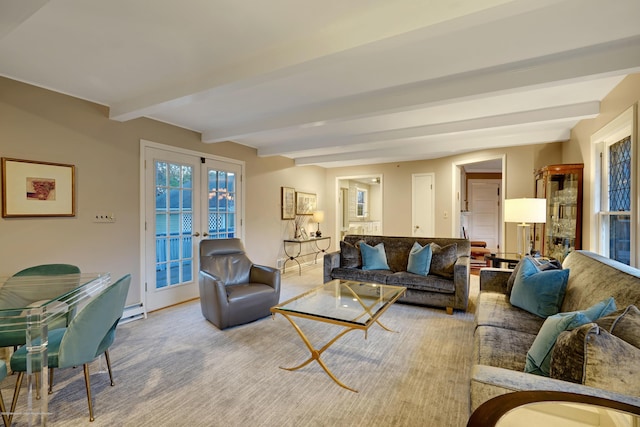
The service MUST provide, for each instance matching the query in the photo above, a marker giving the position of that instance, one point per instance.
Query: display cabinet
(561, 186)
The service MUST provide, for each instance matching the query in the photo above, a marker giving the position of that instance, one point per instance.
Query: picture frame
(288, 205)
(37, 189)
(306, 203)
(303, 234)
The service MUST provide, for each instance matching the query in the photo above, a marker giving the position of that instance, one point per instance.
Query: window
(361, 202)
(615, 150)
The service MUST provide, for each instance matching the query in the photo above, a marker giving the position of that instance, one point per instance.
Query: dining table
(30, 306)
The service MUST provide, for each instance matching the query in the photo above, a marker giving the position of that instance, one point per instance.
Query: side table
(315, 248)
(496, 259)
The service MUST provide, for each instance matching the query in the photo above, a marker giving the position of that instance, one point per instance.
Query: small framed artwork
(303, 234)
(31, 188)
(306, 203)
(288, 198)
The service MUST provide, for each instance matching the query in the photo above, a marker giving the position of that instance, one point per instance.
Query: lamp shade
(318, 216)
(525, 210)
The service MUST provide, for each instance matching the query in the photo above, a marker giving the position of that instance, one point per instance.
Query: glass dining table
(29, 307)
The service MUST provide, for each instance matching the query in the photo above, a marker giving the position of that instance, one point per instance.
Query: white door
(187, 198)
(484, 210)
(423, 205)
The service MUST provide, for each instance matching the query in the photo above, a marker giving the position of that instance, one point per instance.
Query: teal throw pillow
(539, 355)
(419, 259)
(373, 257)
(539, 292)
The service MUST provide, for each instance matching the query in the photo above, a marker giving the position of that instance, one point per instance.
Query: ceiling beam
(614, 58)
(434, 149)
(579, 111)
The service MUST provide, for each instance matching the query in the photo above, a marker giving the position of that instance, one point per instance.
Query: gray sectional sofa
(448, 289)
(594, 359)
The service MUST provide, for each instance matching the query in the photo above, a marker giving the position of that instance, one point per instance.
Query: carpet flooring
(177, 369)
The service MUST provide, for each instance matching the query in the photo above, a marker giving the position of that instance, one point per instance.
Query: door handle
(196, 234)
(205, 234)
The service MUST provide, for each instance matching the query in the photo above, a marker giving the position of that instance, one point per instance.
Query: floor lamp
(525, 212)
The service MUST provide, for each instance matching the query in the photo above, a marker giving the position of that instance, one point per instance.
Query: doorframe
(456, 169)
(140, 309)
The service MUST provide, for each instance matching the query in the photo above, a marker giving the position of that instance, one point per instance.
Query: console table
(312, 244)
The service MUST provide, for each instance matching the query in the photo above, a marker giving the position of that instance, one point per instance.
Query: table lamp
(525, 212)
(318, 217)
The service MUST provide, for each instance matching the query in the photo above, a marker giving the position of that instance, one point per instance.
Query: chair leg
(5, 417)
(50, 380)
(16, 393)
(87, 383)
(106, 357)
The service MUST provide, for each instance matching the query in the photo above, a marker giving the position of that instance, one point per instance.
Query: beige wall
(37, 124)
(578, 149)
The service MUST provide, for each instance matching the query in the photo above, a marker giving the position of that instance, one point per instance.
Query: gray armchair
(233, 290)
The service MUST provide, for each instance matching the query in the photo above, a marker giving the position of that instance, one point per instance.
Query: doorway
(188, 197)
(484, 180)
(359, 205)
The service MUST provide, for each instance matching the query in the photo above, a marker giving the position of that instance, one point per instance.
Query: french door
(187, 198)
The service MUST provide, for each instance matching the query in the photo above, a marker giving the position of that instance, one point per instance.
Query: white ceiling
(334, 82)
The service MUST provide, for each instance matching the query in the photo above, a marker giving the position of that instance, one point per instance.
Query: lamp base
(524, 240)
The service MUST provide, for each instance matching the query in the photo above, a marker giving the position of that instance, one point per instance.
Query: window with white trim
(614, 192)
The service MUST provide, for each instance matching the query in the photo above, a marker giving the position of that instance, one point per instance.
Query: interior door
(485, 212)
(423, 205)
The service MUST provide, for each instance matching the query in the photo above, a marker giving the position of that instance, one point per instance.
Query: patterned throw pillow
(443, 259)
(350, 255)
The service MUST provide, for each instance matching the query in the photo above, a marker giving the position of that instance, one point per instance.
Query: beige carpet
(176, 369)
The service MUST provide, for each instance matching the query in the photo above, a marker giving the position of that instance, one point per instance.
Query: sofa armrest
(489, 381)
(494, 279)
(267, 275)
(331, 261)
(461, 272)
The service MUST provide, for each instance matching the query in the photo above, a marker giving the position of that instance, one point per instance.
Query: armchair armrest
(494, 279)
(331, 261)
(264, 274)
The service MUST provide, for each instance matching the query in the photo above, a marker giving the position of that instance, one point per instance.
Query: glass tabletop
(344, 302)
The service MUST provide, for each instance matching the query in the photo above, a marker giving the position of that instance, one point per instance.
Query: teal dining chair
(3, 375)
(89, 335)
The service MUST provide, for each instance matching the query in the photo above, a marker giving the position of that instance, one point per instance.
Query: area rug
(177, 369)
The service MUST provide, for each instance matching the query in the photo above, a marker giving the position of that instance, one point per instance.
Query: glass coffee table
(351, 304)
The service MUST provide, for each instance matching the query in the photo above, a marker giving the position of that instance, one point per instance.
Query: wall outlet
(104, 217)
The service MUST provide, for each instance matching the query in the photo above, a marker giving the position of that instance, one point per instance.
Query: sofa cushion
(443, 260)
(422, 283)
(624, 324)
(350, 255)
(494, 309)
(419, 259)
(539, 292)
(373, 257)
(502, 348)
(356, 274)
(591, 356)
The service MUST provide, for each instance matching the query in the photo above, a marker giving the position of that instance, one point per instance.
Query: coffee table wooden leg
(315, 353)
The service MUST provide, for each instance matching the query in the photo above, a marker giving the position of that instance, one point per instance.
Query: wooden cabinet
(561, 186)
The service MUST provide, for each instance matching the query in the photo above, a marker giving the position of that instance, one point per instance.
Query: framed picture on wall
(306, 203)
(288, 198)
(32, 189)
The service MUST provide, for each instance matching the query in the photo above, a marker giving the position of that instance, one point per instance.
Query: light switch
(104, 217)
